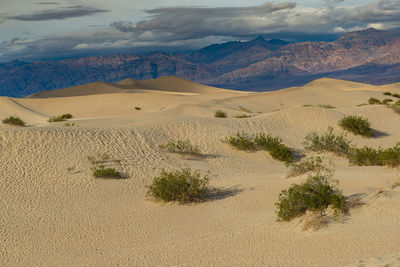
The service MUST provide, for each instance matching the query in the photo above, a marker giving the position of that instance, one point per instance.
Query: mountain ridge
(255, 65)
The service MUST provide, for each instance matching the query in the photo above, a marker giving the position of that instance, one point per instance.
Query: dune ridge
(52, 216)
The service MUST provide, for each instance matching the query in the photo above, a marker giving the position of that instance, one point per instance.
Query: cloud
(59, 14)
(47, 3)
(176, 28)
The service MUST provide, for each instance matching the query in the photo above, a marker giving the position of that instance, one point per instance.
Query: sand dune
(50, 216)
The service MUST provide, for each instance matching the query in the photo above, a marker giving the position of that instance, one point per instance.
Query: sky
(46, 29)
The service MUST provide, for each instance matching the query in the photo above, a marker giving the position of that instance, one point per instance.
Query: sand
(54, 217)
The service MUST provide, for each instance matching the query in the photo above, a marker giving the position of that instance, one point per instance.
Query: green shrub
(244, 109)
(325, 106)
(307, 105)
(63, 117)
(138, 108)
(360, 105)
(357, 125)
(391, 156)
(242, 116)
(328, 142)
(101, 171)
(373, 101)
(182, 185)
(312, 164)
(396, 95)
(241, 141)
(273, 145)
(220, 114)
(365, 156)
(183, 147)
(16, 121)
(397, 103)
(316, 194)
(387, 93)
(387, 101)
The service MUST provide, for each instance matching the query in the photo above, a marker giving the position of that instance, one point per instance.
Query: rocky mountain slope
(258, 65)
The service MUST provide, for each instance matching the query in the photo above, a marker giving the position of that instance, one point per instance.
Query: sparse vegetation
(311, 164)
(325, 106)
(183, 185)
(396, 95)
(220, 114)
(374, 101)
(138, 108)
(67, 124)
(63, 117)
(360, 105)
(387, 101)
(316, 194)
(16, 121)
(242, 116)
(183, 147)
(102, 167)
(357, 125)
(244, 109)
(273, 145)
(387, 93)
(70, 169)
(368, 156)
(328, 141)
(307, 105)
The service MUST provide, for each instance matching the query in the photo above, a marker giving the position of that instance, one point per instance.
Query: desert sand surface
(54, 217)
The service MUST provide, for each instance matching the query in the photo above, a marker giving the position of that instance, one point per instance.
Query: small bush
(244, 109)
(220, 114)
(101, 171)
(361, 105)
(312, 164)
(325, 106)
(63, 117)
(365, 156)
(184, 147)
(182, 185)
(387, 101)
(16, 121)
(316, 194)
(391, 156)
(357, 125)
(242, 116)
(387, 93)
(307, 105)
(242, 141)
(138, 108)
(373, 101)
(396, 95)
(273, 145)
(327, 141)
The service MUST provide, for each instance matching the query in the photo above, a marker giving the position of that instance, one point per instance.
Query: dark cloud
(47, 3)
(59, 14)
(195, 27)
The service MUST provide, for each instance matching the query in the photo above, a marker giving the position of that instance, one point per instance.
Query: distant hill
(370, 56)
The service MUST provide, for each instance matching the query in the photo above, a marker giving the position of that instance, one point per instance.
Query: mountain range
(369, 56)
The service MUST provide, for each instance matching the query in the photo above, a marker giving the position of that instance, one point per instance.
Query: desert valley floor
(52, 216)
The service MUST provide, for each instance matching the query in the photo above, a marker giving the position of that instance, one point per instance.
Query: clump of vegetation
(307, 105)
(311, 164)
(273, 145)
(244, 109)
(102, 167)
(183, 147)
(63, 117)
(396, 95)
(242, 116)
(387, 93)
(357, 125)
(138, 108)
(101, 171)
(387, 101)
(328, 141)
(368, 156)
(16, 121)
(183, 185)
(325, 106)
(220, 114)
(67, 124)
(374, 101)
(316, 194)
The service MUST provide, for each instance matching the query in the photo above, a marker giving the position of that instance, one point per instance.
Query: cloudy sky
(45, 29)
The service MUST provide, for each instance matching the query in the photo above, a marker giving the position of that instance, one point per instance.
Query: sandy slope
(50, 217)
